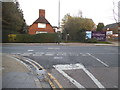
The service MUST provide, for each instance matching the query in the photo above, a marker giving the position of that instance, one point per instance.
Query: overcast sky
(97, 10)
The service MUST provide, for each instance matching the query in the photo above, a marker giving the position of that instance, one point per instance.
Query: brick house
(111, 27)
(41, 25)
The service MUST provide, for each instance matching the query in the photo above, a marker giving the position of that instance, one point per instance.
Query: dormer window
(41, 25)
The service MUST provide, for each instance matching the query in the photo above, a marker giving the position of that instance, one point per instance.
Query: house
(41, 25)
(111, 27)
(57, 29)
(112, 31)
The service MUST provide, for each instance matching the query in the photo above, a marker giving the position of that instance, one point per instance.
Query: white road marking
(30, 50)
(60, 68)
(53, 48)
(37, 54)
(93, 78)
(58, 57)
(84, 54)
(49, 54)
(15, 53)
(26, 54)
(62, 54)
(98, 60)
(71, 79)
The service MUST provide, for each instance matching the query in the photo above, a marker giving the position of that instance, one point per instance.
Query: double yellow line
(50, 75)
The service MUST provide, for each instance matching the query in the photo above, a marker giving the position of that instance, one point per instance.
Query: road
(74, 66)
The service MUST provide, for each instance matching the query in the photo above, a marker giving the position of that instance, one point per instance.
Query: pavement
(16, 74)
(113, 43)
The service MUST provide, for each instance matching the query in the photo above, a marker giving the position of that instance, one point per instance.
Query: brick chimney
(41, 13)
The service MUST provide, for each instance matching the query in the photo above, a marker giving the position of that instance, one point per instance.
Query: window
(41, 25)
(37, 32)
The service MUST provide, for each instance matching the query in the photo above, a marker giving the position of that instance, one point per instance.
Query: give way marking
(60, 68)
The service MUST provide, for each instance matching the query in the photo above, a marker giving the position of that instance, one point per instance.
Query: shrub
(38, 38)
(92, 40)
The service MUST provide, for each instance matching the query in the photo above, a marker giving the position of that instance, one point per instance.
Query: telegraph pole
(59, 14)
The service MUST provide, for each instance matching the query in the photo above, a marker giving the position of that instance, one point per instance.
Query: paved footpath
(63, 44)
(16, 75)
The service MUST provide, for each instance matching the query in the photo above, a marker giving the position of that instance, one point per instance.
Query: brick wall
(34, 28)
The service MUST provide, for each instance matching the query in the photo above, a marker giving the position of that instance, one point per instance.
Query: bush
(93, 40)
(38, 38)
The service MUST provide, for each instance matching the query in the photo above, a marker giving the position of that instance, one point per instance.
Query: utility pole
(119, 11)
(59, 14)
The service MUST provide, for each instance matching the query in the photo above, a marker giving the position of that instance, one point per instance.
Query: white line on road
(93, 78)
(98, 60)
(71, 79)
(58, 57)
(49, 54)
(60, 68)
(53, 48)
(30, 50)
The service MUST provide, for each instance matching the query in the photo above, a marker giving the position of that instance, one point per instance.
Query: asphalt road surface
(75, 66)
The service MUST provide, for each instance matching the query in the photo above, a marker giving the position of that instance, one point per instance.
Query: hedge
(38, 38)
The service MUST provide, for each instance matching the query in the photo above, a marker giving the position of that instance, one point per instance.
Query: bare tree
(80, 13)
(116, 11)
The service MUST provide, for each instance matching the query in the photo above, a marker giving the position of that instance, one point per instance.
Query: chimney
(41, 13)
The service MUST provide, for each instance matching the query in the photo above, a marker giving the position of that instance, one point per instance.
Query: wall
(34, 28)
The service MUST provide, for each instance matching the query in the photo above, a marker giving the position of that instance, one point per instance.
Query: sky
(97, 10)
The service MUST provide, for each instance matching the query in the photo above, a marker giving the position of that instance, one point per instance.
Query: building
(57, 29)
(112, 31)
(111, 27)
(41, 25)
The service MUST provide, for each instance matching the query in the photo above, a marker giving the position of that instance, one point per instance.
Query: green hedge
(38, 38)
(92, 40)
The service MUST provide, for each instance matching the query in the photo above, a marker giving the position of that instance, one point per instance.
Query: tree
(81, 34)
(116, 11)
(12, 19)
(100, 26)
(72, 25)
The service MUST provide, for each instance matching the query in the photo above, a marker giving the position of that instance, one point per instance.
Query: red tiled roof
(41, 20)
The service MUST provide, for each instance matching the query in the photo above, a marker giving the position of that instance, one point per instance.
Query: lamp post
(59, 14)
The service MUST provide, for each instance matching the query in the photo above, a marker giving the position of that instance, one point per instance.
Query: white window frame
(41, 25)
(38, 32)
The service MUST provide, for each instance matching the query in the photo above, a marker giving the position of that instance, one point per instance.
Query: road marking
(15, 53)
(60, 68)
(37, 68)
(30, 50)
(61, 54)
(53, 48)
(50, 75)
(25, 54)
(49, 54)
(83, 54)
(98, 60)
(58, 57)
(93, 78)
(71, 79)
(37, 54)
